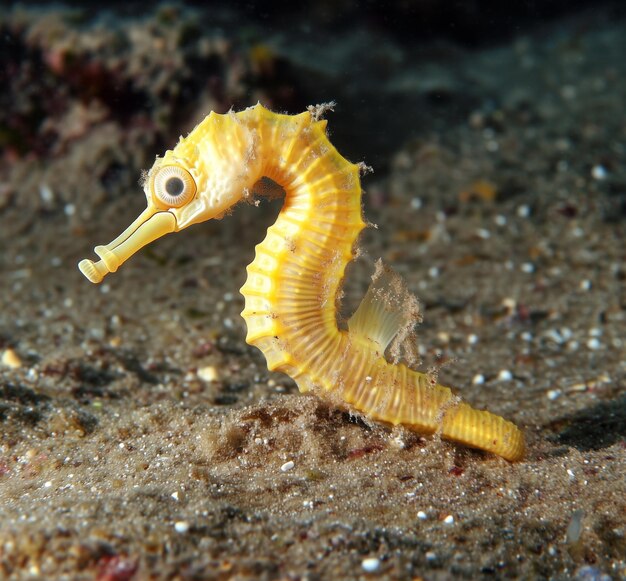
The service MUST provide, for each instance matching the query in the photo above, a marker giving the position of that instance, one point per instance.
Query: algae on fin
(387, 315)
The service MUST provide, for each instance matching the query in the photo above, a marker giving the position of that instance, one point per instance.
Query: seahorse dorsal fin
(388, 310)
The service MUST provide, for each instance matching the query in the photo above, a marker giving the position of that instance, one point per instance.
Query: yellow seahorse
(293, 283)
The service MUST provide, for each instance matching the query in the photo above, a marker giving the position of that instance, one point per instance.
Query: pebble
(11, 359)
(421, 515)
(554, 394)
(509, 304)
(430, 556)
(449, 520)
(46, 193)
(555, 336)
(443, 337)
(505, 375)
(287, 466)
(370, 565)
(574, 527)
(208, 373)
(181, 526)
(598, 172)
(478, 379)
(500, 220)
(594, 344)
(573, 346)
(590, 573)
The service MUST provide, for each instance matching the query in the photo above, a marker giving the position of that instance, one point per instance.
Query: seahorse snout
(149, 226)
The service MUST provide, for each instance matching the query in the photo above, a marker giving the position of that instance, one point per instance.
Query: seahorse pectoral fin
(149, 226)
(388, 310)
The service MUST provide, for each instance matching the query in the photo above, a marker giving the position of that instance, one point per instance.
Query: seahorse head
(207, 173)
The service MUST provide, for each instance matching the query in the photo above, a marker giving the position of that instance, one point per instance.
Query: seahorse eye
(173, 186)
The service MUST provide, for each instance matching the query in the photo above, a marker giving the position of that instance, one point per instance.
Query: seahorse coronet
(293, 286)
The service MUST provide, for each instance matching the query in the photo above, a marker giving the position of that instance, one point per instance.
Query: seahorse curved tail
(484, 430)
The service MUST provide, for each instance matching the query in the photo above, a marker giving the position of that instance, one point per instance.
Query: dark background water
(471, 23)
